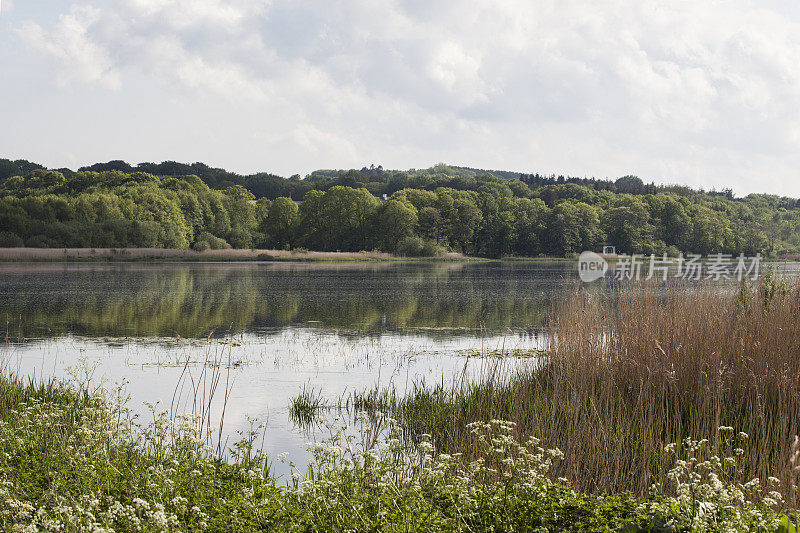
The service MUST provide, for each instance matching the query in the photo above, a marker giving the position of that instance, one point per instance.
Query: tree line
(415, 212)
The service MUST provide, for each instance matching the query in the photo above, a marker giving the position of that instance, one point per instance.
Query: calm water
(276, 328)
(194, 300)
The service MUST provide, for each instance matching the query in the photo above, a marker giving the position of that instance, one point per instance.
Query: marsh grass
(306, 407)
(607, 406)
(624, 375)
(74, 457)
(75, 461)
(197, 393)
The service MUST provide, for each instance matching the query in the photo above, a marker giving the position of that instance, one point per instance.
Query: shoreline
(89, 255)
(77, 255)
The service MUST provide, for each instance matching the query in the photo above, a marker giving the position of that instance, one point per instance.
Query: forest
(417, 212)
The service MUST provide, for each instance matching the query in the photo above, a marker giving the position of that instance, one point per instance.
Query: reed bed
(71, 460)
(642, 367)
(74, 457)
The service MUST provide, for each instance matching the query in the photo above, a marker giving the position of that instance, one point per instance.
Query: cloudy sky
(705, 93)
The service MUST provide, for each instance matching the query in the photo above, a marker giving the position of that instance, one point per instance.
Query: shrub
(409, 247)
(431, 249)
(40, 241)
(239, 238)
(10, 240)
(201, 246)
(206, 241)
(417, 247)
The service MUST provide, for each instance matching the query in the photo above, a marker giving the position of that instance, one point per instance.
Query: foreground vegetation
(660, 408)
(648, 366)
(411, 213)
(75, 461)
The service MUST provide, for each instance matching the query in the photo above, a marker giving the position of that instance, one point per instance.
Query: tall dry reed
(638, 368)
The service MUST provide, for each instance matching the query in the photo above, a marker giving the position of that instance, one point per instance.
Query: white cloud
(311, 138)
(74, 53)
(458, 72)
(707, 92)
(169, 60)
(182, 14)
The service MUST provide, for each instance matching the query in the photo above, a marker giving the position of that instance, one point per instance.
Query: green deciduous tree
(396, 220)
(279, 226)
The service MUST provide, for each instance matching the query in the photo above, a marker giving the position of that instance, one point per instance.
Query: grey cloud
(640, 87)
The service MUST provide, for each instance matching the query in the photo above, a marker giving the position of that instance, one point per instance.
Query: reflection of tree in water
(192, 300)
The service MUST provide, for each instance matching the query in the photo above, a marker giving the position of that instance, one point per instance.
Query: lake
(275, 328)
(268, 331)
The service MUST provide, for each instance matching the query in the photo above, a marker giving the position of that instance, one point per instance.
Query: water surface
(274, 328)
(269, 330)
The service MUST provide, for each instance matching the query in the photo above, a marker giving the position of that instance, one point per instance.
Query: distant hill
(474, 211)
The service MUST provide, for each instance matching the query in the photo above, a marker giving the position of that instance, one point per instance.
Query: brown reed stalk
(633, 369)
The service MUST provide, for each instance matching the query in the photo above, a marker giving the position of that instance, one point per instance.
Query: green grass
(74, 461)
(627, 391)
(305, 408)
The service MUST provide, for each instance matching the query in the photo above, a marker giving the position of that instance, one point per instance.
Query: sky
(705, 93)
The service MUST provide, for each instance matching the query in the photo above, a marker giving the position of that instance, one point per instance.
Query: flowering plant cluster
(703, 493)
(73, 462)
